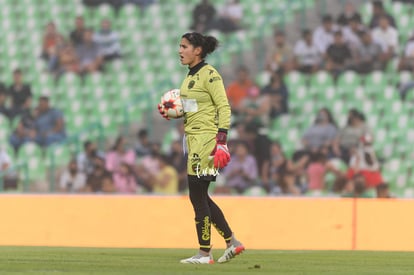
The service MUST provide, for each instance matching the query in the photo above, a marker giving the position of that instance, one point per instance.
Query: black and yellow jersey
(206, 107)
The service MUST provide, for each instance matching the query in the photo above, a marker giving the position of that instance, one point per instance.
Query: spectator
(323, 36)
(119, 154)
(143, 145)
(241, 173)
(307, 55)
(284, 173)
(4, 109)
(72, 179)
(88, 53)
(68, 61)
(364, 162)
(379, 11)
(100, 180)
(351, 33)
(368, 55)
(257, 141)
(76, 36)
(348, 137)
(237, 90)
(165, 181)
(255, 108)
(387, 36)
(348, 15)
(51, 41)
(9, 178)
(406, 61)
(273, 171)
(148, 167)
(125, 179)
(319, 166)
(338, 55)
(355, 187)
(229, 17)
(25, 130)
(383, 191)
(281, 54)
(278, 95)
(322, 133)
(108, 41)
(179, 161)
(85, 159)
(142, 4)
(203, 16)
(20, 94)
(49, 123)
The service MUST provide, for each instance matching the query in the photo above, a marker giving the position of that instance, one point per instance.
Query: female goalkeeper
(206, 121)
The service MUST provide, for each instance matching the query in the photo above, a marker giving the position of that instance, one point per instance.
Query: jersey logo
(211, 72)
(214, 79)
(191, 84)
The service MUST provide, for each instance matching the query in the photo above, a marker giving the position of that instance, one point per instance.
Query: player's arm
(215, 86)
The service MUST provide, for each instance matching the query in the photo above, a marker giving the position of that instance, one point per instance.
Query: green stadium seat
(321, 79)
(376, 82)
(295, 79)
(347, 82)
(31, 154)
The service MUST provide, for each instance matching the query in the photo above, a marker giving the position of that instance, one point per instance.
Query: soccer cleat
(231, 252)
(198, 259)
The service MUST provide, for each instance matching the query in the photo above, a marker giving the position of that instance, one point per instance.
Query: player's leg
(198, 191)
(234, 247)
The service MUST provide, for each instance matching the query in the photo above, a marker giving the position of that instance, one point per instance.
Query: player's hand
(162, 111)
(221, 152)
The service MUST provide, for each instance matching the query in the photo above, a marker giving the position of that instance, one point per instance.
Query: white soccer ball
(172, 103)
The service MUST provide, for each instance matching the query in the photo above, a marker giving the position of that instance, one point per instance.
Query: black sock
(199, 198)
(219, 221)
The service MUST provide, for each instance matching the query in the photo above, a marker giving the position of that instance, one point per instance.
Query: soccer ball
(172, 103)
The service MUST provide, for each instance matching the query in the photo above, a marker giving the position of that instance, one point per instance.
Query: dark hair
(17, 71)
(207, 43)
(44, 98)
(142, 133)
(327, 18)
(306, 32)
(329, 114)
(87, 144)
(117, 142)
(383, 186)
(3, 89)
(378, 4)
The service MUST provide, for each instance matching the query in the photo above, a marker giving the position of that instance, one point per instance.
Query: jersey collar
(196, 68)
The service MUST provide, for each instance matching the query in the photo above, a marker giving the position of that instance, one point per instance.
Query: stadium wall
(262, 223)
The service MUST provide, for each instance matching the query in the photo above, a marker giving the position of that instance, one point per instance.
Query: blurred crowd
(126, 168)
(332, 159)
(83, 51)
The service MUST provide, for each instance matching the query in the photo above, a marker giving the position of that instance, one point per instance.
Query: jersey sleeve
(218, 94)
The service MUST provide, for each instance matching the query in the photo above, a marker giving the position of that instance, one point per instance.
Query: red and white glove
(161, 109)
(221, 152)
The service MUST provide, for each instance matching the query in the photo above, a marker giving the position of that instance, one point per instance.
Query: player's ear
(198, 50)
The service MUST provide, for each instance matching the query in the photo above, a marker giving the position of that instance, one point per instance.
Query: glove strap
(221, 137)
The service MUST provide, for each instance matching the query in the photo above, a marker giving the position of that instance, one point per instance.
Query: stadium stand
(102, 105)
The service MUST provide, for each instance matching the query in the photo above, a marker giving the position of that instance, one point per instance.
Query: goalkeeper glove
(221, 152)
(161, 109)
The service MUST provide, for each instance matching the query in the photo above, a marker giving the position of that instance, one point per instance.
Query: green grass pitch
(47, 260)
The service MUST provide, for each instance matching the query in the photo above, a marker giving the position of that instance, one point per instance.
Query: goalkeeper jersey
(206, 107)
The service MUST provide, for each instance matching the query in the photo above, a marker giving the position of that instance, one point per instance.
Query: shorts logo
(195, 162)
